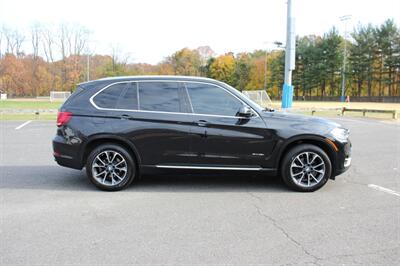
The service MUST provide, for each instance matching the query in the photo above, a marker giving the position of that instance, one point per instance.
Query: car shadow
(55, 178)
(208, 183)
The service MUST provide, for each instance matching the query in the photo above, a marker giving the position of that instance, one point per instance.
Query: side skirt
(206, 169)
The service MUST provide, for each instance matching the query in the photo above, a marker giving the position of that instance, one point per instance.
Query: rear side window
(160, 96)
(129, 100)
(118, 96)
(212, 100)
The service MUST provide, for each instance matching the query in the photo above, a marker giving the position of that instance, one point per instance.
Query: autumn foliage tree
(56, 57)
(222, 68)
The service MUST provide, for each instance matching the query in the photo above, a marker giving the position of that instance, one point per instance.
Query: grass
(25, 117)
(25, 104)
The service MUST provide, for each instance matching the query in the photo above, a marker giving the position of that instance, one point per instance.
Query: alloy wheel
(109, 168)
(307, 169)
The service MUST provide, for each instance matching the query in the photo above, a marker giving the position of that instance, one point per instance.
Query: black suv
(119, 128)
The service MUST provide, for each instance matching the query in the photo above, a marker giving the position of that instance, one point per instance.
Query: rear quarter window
(73, 96)
(118, 96)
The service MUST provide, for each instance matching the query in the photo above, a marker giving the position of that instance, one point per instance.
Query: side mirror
(245, 111)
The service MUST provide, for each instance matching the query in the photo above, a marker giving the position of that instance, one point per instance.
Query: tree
(223, 68)
(387, 37)
(185, 62)
(257, 70)
(205, 53)
(276, 64)
(35, 41)
(330, 53)
(362, 57)
(241, 75)
(55, 59)
(14, 40)
(47, 37)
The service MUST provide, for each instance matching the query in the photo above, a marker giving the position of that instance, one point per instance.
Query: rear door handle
(126, 117)
(202, 123)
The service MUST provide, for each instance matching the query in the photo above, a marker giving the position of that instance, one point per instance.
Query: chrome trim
(212, 168)
(163, 112)
(137, 94)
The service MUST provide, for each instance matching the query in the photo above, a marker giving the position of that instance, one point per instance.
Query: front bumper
(343, 160)
(347, 162)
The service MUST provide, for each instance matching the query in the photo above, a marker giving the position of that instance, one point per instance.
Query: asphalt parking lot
(53, 215)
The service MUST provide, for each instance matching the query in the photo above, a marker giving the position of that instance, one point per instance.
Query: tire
(303, 176)
(110, 167)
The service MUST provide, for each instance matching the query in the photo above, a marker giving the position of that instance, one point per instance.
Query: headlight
(340, 134)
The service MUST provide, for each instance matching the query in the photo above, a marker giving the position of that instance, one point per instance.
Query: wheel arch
(96, 140)
(318, 141)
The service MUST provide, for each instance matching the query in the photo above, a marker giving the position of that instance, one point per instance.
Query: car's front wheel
(306, 168)
(110, 167)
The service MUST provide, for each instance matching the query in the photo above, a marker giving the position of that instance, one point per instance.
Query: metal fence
(379, 99)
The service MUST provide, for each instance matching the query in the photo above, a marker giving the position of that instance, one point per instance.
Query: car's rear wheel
(306, 168)
(110, 167)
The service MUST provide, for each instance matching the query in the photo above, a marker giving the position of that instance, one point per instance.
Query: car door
(221, 137)
(152, 116)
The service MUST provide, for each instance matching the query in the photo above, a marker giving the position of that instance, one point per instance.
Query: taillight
(63, 118)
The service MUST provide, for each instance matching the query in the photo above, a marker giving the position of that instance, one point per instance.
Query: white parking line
(383, 189)
(24, 124)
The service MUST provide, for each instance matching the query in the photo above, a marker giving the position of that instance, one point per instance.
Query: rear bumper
(65, 154)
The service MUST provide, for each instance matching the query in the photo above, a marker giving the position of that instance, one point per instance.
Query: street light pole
(345, 19)
(287, 95)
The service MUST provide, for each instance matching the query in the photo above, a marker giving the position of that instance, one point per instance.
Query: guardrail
(364, 111)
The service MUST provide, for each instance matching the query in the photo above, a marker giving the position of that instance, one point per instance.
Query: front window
(212, 100)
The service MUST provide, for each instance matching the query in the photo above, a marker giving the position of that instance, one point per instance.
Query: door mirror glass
(245, 111)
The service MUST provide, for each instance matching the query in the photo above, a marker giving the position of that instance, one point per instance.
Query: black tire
(303, 151)
(129, 174)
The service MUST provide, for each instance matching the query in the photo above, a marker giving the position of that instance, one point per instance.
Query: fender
(306, 138)
(104, 136)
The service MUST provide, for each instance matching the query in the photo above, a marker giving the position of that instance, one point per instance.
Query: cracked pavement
(53, 215)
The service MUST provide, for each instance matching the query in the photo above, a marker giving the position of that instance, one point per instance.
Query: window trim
(164, 112)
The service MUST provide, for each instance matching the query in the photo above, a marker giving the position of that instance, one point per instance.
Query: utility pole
(287, 95)
(345, 19)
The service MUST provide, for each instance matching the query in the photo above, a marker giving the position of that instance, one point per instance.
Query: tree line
(58, 58)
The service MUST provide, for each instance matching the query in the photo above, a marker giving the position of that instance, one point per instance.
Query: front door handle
(202, 123)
